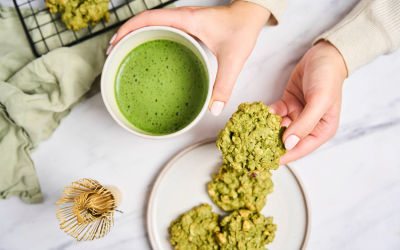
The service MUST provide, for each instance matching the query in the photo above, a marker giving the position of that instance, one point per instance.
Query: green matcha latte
(161, 86)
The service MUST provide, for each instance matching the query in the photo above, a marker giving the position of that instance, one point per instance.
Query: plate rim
(151, 200)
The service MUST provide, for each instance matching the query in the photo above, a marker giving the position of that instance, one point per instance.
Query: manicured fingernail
(291, 142)
(113, 38)
(109, 49)
(216, 108)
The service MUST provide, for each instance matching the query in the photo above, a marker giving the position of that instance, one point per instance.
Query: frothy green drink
(161, 87)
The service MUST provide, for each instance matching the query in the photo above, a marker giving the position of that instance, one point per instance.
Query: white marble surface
(353, 181)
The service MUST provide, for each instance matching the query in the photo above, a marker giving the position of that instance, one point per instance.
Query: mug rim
(207, 67)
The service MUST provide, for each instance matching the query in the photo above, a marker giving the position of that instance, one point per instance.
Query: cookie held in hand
(252, 139)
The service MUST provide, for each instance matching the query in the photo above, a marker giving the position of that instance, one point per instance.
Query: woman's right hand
(311, 103)
(230, 32)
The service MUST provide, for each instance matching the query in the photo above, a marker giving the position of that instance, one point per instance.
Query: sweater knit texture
(371, 29)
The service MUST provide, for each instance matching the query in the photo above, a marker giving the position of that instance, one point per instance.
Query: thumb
(229, 67)
(305, 123)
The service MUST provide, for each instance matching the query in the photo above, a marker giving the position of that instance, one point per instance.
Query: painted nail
(113, 38)
(216, 108)
(291, 142)
(109, 49)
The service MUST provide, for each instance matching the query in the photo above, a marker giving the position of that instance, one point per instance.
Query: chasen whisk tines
(91, 215)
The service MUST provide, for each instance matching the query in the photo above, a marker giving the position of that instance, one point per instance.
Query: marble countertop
(353, 181)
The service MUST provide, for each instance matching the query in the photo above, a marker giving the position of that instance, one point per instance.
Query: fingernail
(291, 142)
(216, 108)
(109, 49)
(113, 38)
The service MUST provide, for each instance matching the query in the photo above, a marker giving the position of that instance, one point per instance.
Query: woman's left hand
(230, 32)
(311, 103)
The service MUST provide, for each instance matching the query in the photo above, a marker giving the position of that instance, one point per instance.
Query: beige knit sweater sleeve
(371, 29)
(276, 7)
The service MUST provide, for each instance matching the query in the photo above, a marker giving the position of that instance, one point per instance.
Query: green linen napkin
(35, 94)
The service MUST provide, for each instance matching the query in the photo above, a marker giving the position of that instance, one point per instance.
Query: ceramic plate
(182, 185)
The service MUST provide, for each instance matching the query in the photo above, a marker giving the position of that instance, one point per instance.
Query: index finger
(178, 18)
(279, 108)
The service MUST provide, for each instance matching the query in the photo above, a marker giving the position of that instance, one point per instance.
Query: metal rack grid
(45, 31)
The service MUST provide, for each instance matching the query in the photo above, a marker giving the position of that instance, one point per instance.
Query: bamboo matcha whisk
(92, 213)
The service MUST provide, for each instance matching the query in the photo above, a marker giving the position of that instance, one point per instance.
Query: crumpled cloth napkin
(35, 94)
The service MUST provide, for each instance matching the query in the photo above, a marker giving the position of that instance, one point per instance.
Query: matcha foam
(161, 87)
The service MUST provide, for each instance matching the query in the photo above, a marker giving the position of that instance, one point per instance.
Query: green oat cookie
(246, 230)
(232, 190)
(195, 230)
(252, 139)
(78, 13)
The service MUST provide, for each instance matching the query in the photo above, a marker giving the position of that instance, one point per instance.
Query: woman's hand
(311, 103)
(230, 32)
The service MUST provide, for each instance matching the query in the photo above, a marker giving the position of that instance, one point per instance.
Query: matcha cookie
(252, 139)
(245, 230)
(232, 190)
(195, 230)
(78, 13)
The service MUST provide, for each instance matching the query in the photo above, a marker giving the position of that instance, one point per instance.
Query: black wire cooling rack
(45, 31)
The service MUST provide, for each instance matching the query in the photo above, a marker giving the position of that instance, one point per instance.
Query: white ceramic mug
(123, 48)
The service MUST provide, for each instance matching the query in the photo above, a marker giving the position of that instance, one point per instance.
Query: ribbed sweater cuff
(276, 8)
(370, 30)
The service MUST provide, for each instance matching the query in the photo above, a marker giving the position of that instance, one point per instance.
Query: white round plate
(182, 185)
